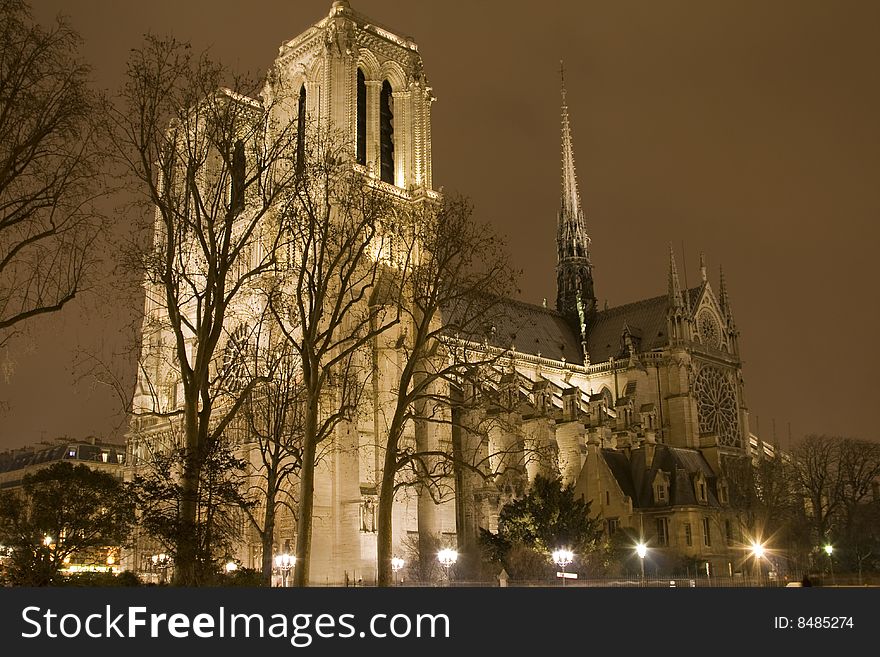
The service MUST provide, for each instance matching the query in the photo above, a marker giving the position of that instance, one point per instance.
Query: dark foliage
(59, 513)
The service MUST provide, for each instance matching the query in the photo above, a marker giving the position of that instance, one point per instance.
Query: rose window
(235, 359)
(708, 327)
(717, 410)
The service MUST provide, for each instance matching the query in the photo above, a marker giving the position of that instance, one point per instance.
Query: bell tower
(364, 83)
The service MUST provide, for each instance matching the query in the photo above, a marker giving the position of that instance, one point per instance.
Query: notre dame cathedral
(639, 405)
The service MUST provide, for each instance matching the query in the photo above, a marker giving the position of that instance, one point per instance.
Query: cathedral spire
(723, 299)
(574, 276)
(571, 200)
(676, 299)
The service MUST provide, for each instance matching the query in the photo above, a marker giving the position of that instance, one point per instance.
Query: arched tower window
(238, 174)
(361, 118)
(386, 133)
(301, 130)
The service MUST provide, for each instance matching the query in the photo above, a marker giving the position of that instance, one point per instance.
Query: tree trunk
(267, 536)
(306, 500)
(386, 506)
(185, 560)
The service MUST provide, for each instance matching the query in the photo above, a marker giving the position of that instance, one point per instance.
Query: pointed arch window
(361, 118)
(239, 165)
(386, 133)
(301, 131)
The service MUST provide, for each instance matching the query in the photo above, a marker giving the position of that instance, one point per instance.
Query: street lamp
(396, 566)
(447, 557)
(642, 550)
(284, 562)
(758, 552)
(231, 567)
(829, 550)
(562, 558)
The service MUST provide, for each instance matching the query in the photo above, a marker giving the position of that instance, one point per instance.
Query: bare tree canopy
(49, 167)
(448, 296)
(207, 154)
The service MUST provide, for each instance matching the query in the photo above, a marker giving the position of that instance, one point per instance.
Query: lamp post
(284, 562)
(396, 566)
(562, 558)
(447, 557)
(642, 550)
(829, 550)
(758, 552)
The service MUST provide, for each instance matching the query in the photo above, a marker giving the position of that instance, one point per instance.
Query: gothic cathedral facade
(638, 406)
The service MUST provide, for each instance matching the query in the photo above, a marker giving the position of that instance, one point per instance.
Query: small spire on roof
(722, 293)
(675, 298)
(703, 267)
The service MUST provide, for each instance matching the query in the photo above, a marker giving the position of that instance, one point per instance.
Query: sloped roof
(535, 330)
(646, 319)
(682, 465)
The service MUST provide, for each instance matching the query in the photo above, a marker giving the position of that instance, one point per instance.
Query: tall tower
(365, 83)
(575, 298)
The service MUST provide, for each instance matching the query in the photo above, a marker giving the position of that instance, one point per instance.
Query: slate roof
(681, 465)
(646, 320)
(78, 451)
(535, 330)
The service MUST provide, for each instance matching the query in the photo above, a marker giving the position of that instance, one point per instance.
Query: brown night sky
(745, 129)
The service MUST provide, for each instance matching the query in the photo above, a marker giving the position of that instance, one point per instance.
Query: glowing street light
(284, 562)
(642, 550)
(396, 566)
(829, 550)
(447, 557)
(47, 540)
(231, 567)
(563, 558)
(758, 552)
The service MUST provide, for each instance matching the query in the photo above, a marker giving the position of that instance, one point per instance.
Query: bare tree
(339, 228)
(817, 472)
(50, 167)
(217, 167)
(272, 420)
(456, 276)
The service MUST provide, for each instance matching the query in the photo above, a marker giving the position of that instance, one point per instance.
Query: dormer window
(661, 488)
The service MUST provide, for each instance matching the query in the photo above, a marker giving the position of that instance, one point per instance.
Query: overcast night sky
(747, 130)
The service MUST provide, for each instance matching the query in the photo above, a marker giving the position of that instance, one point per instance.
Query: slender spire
(722, 293)
(675, 297)
(703, 267)
(574, 277)
(571, 200)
